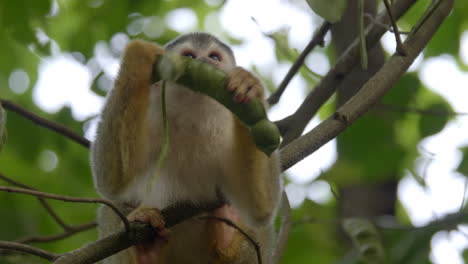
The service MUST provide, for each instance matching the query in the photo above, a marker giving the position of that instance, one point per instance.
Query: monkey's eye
(189, 54)
(215, 56)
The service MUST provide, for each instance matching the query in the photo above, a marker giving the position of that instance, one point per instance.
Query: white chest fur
(200, 133)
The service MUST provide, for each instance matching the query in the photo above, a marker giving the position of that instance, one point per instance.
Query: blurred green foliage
(380, 146)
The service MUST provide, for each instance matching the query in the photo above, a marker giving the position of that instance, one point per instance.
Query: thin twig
(61, 129)
(317, 39)
(231, 224)
(329, 83)
(462, 205)
(315, 220)
(409, 109)
(396, 31)
(388, 27)
(69, 199)
(29, 249)
(285, 227)
(43, 202)
(69, 232)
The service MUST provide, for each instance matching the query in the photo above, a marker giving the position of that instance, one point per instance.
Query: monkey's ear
(203, 77)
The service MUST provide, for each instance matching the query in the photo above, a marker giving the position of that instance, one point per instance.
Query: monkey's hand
(244, 85)
(149, 253)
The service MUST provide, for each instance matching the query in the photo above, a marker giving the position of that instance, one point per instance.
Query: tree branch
(71, 230)
(396, 31)
(69, 199)
(369, 95)
(327, 86)
(317, 39)
(138, 233)
(43, 202)
(61, 129)
(28, 249)
(408, 109)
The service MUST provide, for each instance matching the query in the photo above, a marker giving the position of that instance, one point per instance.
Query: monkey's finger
(236, 77)
(138, 215)
(155, 218)
(253, 92)
(241, 92)
(148, 215)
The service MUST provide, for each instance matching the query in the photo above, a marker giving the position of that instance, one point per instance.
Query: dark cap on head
(200, 40)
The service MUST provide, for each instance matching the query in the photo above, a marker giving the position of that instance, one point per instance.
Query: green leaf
(95, 87)
(463, 166)
(282, 49)
(465, 255)
(435, 120)
(452, 28)
(20, 18)
(330, 10)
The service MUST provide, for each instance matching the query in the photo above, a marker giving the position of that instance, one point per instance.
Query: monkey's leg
(225, 238)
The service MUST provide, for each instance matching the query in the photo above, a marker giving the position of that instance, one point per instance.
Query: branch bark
(138, 233)
(61, 129)
(370, 94)
(327, 86)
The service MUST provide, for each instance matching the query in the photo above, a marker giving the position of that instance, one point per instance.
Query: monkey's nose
(207, 60)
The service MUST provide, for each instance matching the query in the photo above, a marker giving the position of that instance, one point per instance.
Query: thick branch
(335, 76)
(138, 233)
(61, 129)
(369, 95)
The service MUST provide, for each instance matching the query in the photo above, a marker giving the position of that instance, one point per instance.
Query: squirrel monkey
(210, 153)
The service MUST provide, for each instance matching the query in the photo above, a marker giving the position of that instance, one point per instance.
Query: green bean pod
(207, 79)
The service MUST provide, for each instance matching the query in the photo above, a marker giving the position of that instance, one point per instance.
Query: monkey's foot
(244, 85)
(149, 253)
(223, 232)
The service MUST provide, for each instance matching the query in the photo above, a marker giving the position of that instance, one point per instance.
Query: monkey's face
(212, 53)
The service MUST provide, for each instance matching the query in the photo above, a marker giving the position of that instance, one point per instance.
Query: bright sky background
(64, 79)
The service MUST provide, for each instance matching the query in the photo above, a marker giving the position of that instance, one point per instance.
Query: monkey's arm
(118, 154)
(252, 182)
(252, 178)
